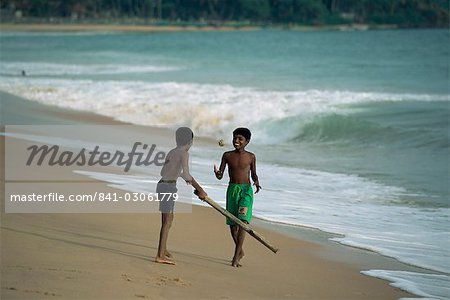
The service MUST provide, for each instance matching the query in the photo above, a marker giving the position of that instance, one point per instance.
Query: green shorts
(240, 202)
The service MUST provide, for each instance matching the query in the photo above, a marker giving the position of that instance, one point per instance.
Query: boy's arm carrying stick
(244, 226)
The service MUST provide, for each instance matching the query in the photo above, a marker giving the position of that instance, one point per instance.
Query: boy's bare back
(176, 163)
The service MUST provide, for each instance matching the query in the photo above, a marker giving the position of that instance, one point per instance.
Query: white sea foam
(211, 110)
(431, 286)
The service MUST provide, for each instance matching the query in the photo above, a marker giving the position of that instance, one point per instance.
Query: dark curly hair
(245, 132)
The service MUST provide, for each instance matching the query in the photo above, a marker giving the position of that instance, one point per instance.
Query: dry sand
(110, 256)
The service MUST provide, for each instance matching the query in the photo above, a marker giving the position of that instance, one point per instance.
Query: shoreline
(361, 257)
(92, 27)
(152, 28)
(320, 254)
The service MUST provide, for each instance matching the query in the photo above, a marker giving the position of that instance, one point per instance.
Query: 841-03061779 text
(97, 196)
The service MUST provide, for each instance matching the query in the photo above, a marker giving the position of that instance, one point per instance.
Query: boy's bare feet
(235, 261)
(164, 261)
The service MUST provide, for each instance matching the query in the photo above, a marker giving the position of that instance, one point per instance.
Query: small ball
(221, 143)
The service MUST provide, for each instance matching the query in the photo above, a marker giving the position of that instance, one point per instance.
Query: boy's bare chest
(239, 161)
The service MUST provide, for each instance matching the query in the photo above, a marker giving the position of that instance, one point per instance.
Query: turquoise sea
(351, 129)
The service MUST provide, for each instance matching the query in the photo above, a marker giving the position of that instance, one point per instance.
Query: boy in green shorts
(241, 164)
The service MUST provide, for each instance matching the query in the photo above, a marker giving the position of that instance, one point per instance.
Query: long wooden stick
(244, 226)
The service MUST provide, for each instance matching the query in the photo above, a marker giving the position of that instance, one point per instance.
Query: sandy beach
(113, 27)
(111, 256)
(61, 27)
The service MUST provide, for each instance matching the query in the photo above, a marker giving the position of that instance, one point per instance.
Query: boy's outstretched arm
(254, 175)
(219, 172)
(199, 191)
(186, 175)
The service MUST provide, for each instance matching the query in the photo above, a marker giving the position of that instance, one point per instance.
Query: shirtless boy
(241, 164)
(176, 165)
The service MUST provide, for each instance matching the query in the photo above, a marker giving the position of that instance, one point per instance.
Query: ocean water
(351, 129)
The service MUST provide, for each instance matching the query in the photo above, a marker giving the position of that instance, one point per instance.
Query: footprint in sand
(32, 291)
(164, 280)
(125, 277)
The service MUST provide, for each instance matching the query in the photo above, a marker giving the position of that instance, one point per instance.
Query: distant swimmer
(23, 73)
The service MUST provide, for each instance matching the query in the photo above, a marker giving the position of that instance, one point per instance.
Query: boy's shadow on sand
(109, 249)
